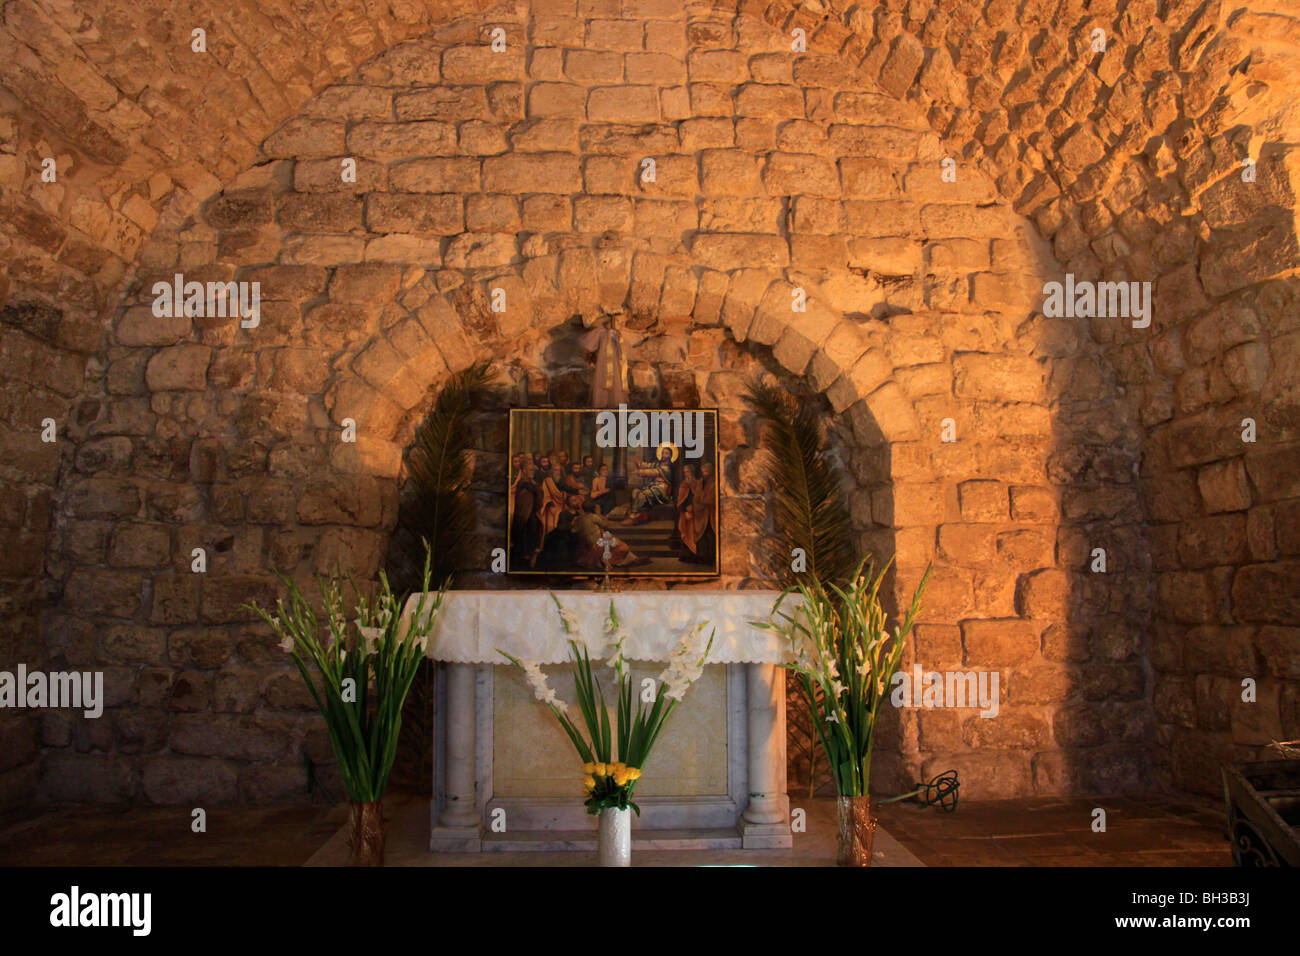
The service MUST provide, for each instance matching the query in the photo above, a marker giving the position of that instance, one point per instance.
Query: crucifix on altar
(606, 542)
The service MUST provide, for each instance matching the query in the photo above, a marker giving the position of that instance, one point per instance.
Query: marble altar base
(496, 791)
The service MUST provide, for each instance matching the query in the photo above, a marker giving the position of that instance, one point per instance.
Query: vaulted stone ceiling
(146, 128)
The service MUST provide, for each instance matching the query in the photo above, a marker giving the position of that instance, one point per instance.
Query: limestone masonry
(780, 177)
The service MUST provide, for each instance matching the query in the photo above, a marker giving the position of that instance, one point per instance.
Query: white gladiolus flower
(286, 644)
(804, 656)
(541, 689)
(615, 635)
(370, 637)
(335, 618)
(574, 629)
(571, 625)
(685, 664)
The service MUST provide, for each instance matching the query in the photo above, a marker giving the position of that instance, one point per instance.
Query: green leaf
(441, 510)
(805, 491)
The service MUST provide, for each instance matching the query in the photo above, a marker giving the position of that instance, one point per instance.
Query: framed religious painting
(632, 489)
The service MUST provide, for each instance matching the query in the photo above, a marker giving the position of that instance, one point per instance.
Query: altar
(505, 776)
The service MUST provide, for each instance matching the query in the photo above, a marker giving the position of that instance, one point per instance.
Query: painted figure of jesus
(656, 485)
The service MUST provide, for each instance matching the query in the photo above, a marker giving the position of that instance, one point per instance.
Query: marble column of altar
(766, 821)
(456, 828)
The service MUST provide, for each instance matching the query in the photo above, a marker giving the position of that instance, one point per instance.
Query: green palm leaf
(441, 508)
(811, 513)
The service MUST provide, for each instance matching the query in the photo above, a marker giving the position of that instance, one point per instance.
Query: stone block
(306, 137)
(983, 500)
(1267, 593)
(557, 99)
(396, 141)
(532, 173)
(140, 546)
(728, 172)
(188, 781)
(87, 778)
(229, 736)
(480, 63)
(441, 215)
(318, 212)
(202, 648)
(623, 104)
(1044, 594)
(179, 367)
(863, 178)
(728, 251)
(224, 597)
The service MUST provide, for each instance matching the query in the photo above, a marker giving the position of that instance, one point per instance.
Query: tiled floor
(1140, 831)
(162, 836)
(1153, 831)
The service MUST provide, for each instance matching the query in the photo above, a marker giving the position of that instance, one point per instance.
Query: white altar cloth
(473, 625)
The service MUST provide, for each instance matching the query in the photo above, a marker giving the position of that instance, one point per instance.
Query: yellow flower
(616, 766)
(620, 778)
(589, 782)
(600, 770)
(588, 767)
(633, 773)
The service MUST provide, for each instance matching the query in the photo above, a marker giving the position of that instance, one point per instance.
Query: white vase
(615, 837)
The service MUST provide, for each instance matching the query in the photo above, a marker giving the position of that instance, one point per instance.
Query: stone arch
(388, 383)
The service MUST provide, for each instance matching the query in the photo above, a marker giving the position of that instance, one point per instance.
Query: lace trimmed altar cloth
(473, 625)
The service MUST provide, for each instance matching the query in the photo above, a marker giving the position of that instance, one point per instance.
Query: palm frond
(440, 508)
(810, 510)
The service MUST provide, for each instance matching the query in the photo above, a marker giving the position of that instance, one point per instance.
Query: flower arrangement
(613, 757)
(358, 679)
(845, 660)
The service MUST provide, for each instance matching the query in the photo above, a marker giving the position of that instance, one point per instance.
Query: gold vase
(368, 832)
(857, 829)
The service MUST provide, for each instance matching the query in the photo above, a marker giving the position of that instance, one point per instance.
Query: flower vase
(367, 833)
(857, 829)
(615, 837)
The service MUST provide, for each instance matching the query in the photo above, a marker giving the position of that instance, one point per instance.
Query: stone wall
(519, 171)
(774, 171)
(1224, 507)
